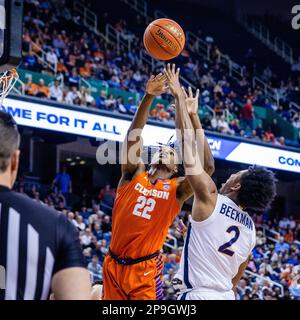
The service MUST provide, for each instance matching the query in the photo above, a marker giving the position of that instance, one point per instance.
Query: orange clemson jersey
(142, 215)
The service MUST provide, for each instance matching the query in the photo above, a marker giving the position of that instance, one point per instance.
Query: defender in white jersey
(221, 234)
(214, 250)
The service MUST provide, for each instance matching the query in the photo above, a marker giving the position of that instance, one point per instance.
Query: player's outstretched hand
(192, 102)
(157, 85)
(172, 75)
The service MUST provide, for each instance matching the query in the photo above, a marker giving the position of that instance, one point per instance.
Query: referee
(39, 248)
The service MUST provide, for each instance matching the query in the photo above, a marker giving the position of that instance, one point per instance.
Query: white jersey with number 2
(213, 252)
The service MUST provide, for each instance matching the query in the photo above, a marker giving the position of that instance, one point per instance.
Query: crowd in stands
(228, 103)
(273, 272)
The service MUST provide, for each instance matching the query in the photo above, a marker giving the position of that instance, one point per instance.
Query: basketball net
(7, 81)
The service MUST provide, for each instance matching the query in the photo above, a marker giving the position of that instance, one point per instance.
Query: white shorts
(206, 295)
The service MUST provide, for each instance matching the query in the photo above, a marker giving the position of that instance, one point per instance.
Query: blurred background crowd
(227, 103)
(273, 272)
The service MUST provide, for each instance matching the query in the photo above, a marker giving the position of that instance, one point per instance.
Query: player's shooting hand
(192, 102)
(172, 75)
(157, 85)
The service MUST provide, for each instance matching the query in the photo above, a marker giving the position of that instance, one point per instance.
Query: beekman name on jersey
(236, 215)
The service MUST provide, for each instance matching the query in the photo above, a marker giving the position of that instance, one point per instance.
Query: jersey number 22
(144, 206)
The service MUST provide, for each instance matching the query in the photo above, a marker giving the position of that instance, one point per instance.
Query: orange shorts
(141, 281)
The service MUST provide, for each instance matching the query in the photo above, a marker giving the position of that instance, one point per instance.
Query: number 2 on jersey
(225, 246)
(144, 206)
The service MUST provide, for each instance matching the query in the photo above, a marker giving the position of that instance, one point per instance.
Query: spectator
(206, 122)
(63, 182)
(114, 82)
(289, 236)
(281, 141)
(110, 103)
(31, 89)
(215, 122)
(72, 96)
(86, 98)
(61, 67)
(275, 128)
(131, 106)
(74, 79)
(269, 136)
(254, 135)
(281, 246)
(79, 224)
(223, 126)
(259, 131)
(100, 101)
(55, 91)
(268, 104)
(86, 238)
(120, 105)
(51, 57)
(284, 223)
(159, 112)
(247, 114)
(43, 90)
(95, 268)
(106, 224)
(30, 62)
(98, 231)
(71, 217)
(291, 223)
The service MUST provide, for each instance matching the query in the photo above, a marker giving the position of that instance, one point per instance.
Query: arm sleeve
(69, 251)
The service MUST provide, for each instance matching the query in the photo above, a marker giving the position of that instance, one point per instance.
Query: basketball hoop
(7, 81)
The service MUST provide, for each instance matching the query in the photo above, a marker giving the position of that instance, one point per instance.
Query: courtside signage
(47, 117)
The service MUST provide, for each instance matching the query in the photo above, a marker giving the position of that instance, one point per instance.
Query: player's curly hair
(258, 189)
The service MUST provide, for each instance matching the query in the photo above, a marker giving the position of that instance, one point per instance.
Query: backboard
(11, 18)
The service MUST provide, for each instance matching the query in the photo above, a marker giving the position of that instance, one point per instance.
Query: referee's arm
(71, 280)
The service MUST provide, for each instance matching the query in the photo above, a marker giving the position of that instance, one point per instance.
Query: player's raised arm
(132, 147)
(192, 104)
(201, 183)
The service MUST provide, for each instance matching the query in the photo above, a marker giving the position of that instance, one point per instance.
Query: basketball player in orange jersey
(147, 202)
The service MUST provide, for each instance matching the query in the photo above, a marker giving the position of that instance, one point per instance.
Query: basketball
(164, 39)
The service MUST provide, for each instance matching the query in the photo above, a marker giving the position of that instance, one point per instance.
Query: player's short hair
(258, 189)
(9, 139)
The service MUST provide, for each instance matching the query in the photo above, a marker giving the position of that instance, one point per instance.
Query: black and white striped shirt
(35, 243)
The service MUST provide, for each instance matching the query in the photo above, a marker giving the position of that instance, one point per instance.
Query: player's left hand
(192, 102)
(157, 85)
(172, 75)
